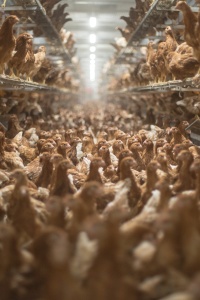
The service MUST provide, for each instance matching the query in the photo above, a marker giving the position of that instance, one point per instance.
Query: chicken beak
(16, 19)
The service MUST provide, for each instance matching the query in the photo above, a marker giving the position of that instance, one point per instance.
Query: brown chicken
(7, 41)
(151, 61)
(62, 185)
(142, 73)
(39, 59)
(183, 65)
(171, 43)
(169, 47)
(27, 67)
(19, 58)
(43, 72)
(160, 61)
(191, 32)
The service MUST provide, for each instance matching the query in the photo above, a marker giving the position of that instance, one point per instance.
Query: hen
(169, 46)
(43, 72)
(39, 59)
(191, 27)
(27, 67)
(151, 61)
(183, 65)
(190, 21)
(19, 58)
(161, 65)
(171, 42)
(7, 41)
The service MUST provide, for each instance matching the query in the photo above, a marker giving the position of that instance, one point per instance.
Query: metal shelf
(10, 84)
(187, 85)
(36, 11)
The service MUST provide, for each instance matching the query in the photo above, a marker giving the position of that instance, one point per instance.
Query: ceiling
(107, 13)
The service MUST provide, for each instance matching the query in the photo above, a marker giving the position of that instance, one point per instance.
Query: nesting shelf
(10, 84)
(187, 85)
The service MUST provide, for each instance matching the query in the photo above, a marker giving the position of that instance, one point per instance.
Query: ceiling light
(93, 38)
(92, 75)
(92, 63)
(93, 22)
(92, 49)
(92, 56)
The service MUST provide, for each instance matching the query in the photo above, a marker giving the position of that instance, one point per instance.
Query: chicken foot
(2, 70)
(12, 74)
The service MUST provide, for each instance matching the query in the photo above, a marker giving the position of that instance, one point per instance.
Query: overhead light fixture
(93, 38)
(92, 56)
(92, 62)
(92, 69)
(92, 75)
(93, 22)
(92, 49)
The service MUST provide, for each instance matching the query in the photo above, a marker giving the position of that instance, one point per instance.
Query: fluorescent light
(92, 63)
(93, 22)
(92, 49)
(93, 38)
(92, 76)
(92, 56)
(92, 67)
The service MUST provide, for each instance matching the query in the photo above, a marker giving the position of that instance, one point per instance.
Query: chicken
(27, 67)
(43, 72)
(21, 213)
(142, 73)
(134, 193)
(39, 59)
(135, 148)
(190, 22)
(152, 179)
(62, 149)
(195, 168)
(94, 174)
(7, 41)
(183, 65)
(184, 48)
(148, 152)
(184, 181)
(45, 175)
(20, 57)
(151, 61)
(170, 41)
(13, 127)
(160, 61)
(62, 185)
(52, 262)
